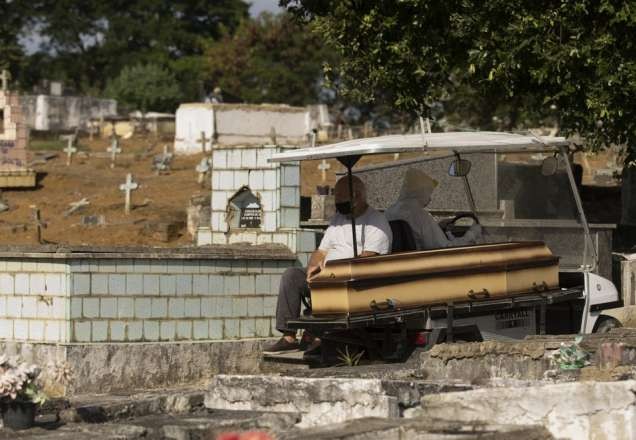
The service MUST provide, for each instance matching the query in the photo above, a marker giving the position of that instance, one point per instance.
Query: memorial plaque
(244, 209)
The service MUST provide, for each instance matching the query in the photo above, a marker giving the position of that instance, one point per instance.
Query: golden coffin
(432, 277)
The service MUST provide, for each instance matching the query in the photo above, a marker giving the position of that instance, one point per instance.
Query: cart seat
(403, 240)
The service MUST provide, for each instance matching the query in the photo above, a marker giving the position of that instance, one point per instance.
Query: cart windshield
(517, 196)
(529, 196)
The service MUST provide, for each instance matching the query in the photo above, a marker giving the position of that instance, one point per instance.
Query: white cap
(417, 185)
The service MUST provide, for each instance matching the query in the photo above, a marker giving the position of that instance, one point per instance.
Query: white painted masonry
(138, 298)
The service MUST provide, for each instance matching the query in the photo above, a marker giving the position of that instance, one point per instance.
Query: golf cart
(502, 288)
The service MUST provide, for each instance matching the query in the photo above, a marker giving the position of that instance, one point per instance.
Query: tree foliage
(145, 87)
(86, 43)
(269, 59)
(576, 57)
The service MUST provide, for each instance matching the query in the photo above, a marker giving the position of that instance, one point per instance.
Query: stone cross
(202, 168)
(323, 167)
(75, 206)
(70, 149)
(128, 187)
(114, 150)
(5, 77)
(203, 141)
(38, 223)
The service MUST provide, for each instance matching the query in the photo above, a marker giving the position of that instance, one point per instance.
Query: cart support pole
(353, 217)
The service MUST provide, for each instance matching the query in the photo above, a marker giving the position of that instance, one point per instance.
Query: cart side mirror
(459, 168)
(549, 166)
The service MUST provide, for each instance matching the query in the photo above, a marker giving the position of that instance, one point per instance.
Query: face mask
(343, 208)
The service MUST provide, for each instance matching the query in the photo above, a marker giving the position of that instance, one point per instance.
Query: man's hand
(313, 270)
(316, 263)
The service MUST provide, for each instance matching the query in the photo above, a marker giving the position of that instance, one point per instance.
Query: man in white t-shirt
(373, 235)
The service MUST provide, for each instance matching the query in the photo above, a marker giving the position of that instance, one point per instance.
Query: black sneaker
(281, 346)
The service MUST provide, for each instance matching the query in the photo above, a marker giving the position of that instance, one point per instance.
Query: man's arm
(316, 262)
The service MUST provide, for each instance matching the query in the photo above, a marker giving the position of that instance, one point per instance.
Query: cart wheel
(607, 324)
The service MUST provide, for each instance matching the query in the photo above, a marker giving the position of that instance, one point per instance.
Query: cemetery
(203, 244)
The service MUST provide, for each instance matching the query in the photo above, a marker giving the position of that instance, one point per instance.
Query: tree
(145, 87)
(575, 59)
(269, 59)
(12, 20)
(86, 43)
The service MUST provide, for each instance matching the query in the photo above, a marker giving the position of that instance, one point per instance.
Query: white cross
(128, 187)
(113, 150)
(202, 168)
(5, 77)
(70, 149)
(323, 167)
(203, 140)
(74, 206)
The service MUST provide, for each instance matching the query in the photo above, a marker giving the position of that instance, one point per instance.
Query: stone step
(322, 400)
(577, 411)
(426, 429)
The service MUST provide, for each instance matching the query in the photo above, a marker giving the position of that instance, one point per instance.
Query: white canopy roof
(463, 141)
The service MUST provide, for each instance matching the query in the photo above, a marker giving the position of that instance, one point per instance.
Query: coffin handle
(478, 295)
(389, 304)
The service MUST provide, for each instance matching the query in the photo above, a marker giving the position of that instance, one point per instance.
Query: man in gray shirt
(373, 235)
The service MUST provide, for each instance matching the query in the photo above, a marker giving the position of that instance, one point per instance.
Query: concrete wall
(277, 186)
(137, 299)
(239, 124)
(45, 112)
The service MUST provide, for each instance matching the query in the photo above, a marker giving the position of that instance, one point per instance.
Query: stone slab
(424, 429)
(125, 367)
(384, 182)
(318, 400)
(576, 411)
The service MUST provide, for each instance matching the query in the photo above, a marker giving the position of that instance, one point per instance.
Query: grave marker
(38, 223)
(70, 149)
(161, 162)
(128, 187)
(203, 168)
(323, 167)
(203, 141)
(76, 206)
(114, 150)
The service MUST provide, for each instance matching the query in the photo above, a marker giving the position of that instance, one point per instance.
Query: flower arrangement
(572, 356)
(18, 381)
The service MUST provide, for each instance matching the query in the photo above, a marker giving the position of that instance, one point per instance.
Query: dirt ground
(160, 198)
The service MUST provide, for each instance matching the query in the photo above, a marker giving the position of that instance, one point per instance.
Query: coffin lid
(462, 142)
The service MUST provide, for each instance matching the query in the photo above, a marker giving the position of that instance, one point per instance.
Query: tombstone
(38, 223)
(244, 210)
(384, 181)
(202, 169)
(14, 137)
(238, 125)
(161, 162)
(76, 206)
(323, 166)
(203, 141)
(70, 149)
(114, 150)
(128, 187)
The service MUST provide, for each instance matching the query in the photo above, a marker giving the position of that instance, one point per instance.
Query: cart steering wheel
(446, 225)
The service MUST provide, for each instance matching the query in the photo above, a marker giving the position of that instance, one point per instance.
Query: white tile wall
(134, 300)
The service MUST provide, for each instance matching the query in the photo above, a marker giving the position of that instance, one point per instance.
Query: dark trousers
(293, 285)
